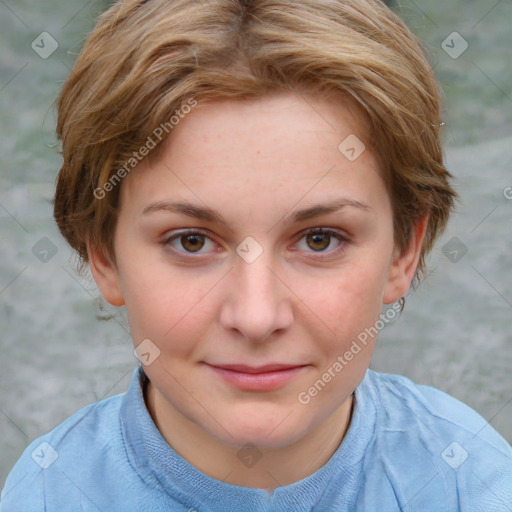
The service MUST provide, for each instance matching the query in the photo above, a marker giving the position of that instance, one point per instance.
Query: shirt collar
(163, 468)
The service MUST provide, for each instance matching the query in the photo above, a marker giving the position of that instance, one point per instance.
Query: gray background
(62, 347)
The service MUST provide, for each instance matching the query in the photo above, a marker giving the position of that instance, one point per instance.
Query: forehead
(285, 117)
(272, 148)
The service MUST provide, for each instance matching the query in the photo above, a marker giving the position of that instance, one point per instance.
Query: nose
(258, 302)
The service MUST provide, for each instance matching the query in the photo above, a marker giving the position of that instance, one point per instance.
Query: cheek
(166, 308)
(351, 308)
(352, 300)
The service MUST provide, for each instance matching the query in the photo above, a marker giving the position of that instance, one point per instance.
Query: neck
(275, 467)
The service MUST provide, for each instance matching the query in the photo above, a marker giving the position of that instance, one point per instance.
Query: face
(252, 252)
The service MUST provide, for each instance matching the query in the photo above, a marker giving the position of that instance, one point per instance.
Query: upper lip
(243, 368)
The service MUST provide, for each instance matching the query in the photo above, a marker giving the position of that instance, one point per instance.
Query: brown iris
(317, 239)
(192, 242)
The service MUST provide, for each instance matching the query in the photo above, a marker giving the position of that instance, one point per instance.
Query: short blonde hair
(146, 59)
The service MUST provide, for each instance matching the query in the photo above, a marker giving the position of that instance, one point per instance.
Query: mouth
(257, 378)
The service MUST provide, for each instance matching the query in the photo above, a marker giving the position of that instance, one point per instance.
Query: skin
(302, 301)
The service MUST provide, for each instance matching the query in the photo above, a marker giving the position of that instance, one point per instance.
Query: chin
(263, 431)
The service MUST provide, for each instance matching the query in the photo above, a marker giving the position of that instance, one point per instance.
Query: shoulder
(404, 401)
(422, 430)
(73, 443)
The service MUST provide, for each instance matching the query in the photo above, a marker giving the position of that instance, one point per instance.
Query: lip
(257, 378)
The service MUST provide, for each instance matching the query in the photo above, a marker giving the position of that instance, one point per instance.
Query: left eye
(320, 238)
(317, 239)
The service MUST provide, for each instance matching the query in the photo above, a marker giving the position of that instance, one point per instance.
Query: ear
(404, 264)
(106, 276)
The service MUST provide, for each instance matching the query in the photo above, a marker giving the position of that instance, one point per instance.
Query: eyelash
(343, 239)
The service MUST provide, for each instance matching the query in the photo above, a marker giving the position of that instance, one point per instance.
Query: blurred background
(62, 347)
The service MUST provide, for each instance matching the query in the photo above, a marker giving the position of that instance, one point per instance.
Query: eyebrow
(208, 214)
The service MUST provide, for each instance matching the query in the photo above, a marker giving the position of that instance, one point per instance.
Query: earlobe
(403, 268)
(105, 275)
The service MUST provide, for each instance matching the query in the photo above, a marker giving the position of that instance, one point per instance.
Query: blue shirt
(409, 448)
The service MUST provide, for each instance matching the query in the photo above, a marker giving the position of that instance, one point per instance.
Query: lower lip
(266, 381)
